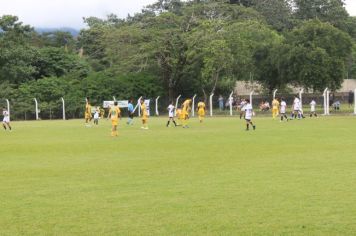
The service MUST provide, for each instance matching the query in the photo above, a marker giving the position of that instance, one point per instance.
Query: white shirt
(283, 107)
(96, 115)
(312, 106)
(296, 104)
(6, 116)
(248, 111)
(171, 110)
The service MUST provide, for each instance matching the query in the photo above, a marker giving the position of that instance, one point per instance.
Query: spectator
(221, 103)
(351, 98)
(336, 105)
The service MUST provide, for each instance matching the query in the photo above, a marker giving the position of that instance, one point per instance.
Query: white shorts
(6, 120)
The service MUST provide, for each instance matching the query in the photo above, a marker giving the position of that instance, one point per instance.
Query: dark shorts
(247, 120)
(131, 115)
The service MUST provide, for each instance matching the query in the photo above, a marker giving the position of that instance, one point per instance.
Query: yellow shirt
(88, 108)
(275, 104)
(201, 105)
(114, 113)
(144, 111)
(186, 106)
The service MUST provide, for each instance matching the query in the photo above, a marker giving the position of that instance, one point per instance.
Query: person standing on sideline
(248, 110)
(114, 115)
(6, 119)
(351, 98)
(171, 109)
(221, 103)
(130, 109)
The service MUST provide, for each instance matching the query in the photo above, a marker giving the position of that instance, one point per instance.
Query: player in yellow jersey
(102, 113)
(185, 112)
(87, 112)
(201, 111)
(114, 115)
(179, 116)
(275, 108)
(144, 115)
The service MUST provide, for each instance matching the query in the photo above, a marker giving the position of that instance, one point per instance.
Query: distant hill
(72, 31)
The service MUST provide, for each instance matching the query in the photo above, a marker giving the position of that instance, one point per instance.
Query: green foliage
(180, 47)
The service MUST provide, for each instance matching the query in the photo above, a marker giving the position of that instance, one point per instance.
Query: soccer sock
(174, 122)
(10, 127)
(282, 118)
(247, 126)
(4, 126)
(168, 123)
(285, 116)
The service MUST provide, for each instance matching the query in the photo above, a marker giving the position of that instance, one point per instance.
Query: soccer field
(295, 178)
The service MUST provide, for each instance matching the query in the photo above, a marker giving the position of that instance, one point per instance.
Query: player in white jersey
(96, 116)
(283, 109)
(248, 112)
(312, 108)
(6, 119)
(171, 110)
(242, 107)
(296, 108)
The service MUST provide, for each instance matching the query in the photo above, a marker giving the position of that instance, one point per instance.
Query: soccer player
(248, 112)
(87, 112)
(6, 119)
(283, 107)
(275, 107)
(96, 116)
(179, 115)
(130, 108)
(201, 111)
(144, 115)
(312, 108)
(296, 108)
(171, 109)
(185, 112)
(114, 114)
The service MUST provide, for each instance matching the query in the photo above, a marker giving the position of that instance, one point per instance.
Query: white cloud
(50, 13)
(57, 13)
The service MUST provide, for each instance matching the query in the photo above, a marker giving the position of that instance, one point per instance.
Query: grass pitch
(295, 178)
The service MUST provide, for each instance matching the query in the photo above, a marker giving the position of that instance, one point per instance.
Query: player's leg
(4, 125)
(253, 126)
(8, 125)
(169, 120)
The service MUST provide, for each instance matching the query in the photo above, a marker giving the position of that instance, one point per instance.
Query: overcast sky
(58, 13)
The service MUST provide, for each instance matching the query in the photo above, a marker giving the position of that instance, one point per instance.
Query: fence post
(8, 106)
(301, 99)
(355, 102)
(36, 106)
(325, 101)
(328, 102)
(63, 109)
(157, 113)
(193, 105)
(230, 102)
(251, 94)
(177, 100)
(211, 104)
(274, 93)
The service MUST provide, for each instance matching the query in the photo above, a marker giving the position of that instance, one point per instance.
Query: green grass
(295, 178)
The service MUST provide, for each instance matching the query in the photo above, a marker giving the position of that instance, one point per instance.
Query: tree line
(179, 47)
